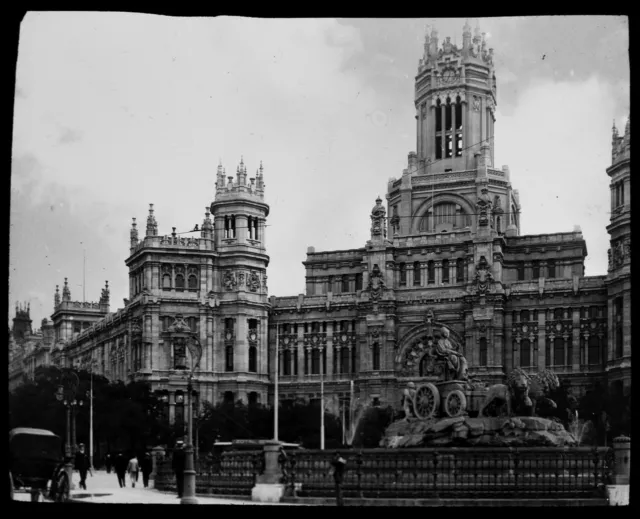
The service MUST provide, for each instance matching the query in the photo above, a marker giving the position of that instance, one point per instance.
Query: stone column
(575, 339)
(172, 407)
(508, 341)
(443, 141)
(300, 352)
(431, 147)
(464, 124)
(329, 372)
(240, 352)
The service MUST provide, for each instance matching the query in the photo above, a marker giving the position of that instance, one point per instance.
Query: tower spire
(152, 224)
(134, 233)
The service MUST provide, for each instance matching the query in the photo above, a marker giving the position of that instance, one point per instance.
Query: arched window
(193, 282)
(558, 351)
(525, 353)
(228, 360)
(416, 273)
(344, 360)
(460, 270)
(286, 368)
(403, 274)
(483, 351)
(253, 359)
(439, 132)
(431, 272)
(179, 282)
(315, 361)
(166, 281)
(445, 271)
(250, 227)
(594, 350)
(376, 356)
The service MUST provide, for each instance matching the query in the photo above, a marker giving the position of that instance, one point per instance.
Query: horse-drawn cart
(36, 465)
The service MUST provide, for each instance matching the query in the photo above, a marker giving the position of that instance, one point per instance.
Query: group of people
(123, 466)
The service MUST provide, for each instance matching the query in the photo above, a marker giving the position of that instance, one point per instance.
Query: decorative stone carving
(254, 282)
(476, 103)
(484, 206)
(229, 280)
(378, 214)
(484, 278)
(241, 278)
(376, 284)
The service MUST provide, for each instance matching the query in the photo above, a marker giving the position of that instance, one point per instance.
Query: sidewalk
(104, 488)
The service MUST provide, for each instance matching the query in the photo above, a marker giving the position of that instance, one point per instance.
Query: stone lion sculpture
(513, 391)
(523, 391)
(540, 385)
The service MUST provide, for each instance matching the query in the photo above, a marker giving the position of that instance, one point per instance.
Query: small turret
(207, 225)
(134, 234)
(104, 298)
(152, 225)
(434, 44)
(241, 173)
(220, 177)
(466, 38)
(66, 293)
(56, 298)
(260, 179)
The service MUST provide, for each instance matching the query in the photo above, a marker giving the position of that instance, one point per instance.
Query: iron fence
(454, 472)
(229, 473)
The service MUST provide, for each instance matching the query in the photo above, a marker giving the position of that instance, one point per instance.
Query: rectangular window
(521, 271)
(358, 281)
(345, 284)
(286, 369)
(449, 147)
(558, 352)
(460, 270)
(416, 273)
(438, 147)
(618, 319)
(483, 351)
(431, 272)
(403, 274)
(445, 271)
(536, 270)
(551, 269)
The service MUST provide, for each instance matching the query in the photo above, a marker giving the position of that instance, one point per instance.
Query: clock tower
(455, 101)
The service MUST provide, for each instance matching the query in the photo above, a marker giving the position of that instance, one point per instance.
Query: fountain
(436, 410)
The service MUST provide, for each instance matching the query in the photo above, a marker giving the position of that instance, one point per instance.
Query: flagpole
(322, 399)
(84, 264)
(91, 422)
(275, 393)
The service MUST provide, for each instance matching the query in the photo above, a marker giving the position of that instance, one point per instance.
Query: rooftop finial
(152, 224)
(260, 167)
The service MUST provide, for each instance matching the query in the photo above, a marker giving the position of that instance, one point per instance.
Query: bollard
(618, 492)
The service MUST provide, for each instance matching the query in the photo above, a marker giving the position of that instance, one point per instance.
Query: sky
(114, 111)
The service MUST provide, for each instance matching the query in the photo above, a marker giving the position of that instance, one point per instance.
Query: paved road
(104, 488)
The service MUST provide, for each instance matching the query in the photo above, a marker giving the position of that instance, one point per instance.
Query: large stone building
(445, 251)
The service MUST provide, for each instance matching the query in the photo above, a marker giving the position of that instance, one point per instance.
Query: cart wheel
(61, 488)
(427, 401)
(455, 403)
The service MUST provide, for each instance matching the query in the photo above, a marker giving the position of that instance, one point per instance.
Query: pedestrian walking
(108, 462)
(338, 463)
(120, 466)
(177, 464)
(146, 465)
(133, 468)
(82, 465)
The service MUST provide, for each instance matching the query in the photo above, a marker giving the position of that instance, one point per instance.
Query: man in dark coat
(82, 465)
(108, 462)
(146, 466)
(120, 466)
(338, 465)
(177, 464)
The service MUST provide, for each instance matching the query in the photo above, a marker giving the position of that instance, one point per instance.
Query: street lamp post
(66, 394)
(182, 335)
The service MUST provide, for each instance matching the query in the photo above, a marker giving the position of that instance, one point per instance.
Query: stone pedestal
(156, 453)
(268, 488)
(618, 493)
